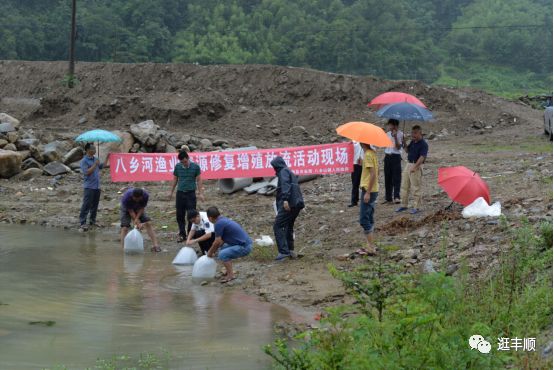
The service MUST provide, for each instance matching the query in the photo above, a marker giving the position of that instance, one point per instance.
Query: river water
(104, 303)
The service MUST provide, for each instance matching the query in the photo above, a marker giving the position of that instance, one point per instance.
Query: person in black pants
(289, 204)
(356, 175)
(201, 232)
(393, 163)
(186, 177)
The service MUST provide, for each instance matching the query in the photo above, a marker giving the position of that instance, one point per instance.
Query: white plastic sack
(264, 241)
(186, 256)
(480, 208)
(204, 268)
(133, 242)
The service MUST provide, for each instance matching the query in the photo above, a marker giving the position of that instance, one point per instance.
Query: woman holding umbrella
(367, 134)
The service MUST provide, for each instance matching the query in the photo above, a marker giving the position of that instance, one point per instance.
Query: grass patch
(531, 145)
(263, 254)
(405, 321)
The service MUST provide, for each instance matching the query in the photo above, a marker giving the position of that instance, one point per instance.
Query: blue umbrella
(100, 136)
(405, 112)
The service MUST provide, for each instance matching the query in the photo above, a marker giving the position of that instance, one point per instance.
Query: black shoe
(352, 205)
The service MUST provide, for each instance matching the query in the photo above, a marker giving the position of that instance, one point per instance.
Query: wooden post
(71, 74)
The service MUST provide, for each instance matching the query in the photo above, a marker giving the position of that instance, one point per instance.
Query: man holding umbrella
(90, 167)
(393, 163)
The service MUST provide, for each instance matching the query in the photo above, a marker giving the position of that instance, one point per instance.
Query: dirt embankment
(263, 106)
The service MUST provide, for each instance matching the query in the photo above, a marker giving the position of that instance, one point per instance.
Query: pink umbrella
(394, 97)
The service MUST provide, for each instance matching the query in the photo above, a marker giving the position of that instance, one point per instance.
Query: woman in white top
(393, 163)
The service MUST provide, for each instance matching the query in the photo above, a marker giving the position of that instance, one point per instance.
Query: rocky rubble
(52, 156)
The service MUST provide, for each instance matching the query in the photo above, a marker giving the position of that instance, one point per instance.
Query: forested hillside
(503, 46)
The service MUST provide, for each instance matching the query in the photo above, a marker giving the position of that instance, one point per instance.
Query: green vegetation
(404, 321)
(501, 46)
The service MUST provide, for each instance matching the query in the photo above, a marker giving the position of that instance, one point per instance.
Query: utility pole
(71, 76)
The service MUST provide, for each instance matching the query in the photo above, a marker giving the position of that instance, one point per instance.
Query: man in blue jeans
(90, 167)
(231, 240)
(370, 190)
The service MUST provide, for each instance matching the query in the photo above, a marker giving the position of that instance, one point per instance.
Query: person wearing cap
(413, 173)
(393, 163)
(356, 174)
(369, 185)
(201, 231)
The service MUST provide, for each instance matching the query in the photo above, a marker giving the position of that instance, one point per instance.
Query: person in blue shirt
(90, 167)
(413, 173)
(231, 240)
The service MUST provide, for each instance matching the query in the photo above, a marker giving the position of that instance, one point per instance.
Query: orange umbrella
(364, 132)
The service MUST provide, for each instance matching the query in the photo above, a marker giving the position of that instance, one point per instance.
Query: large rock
(56, 168)
(6, 118)
(55, 150)
(28, 174)
(3, 143)
(24, 154)
(10, 163)
(123, 147)
(11, 147)
(74, 155)
(12, 136)
(146, 132)
(7, 127)
(36, 153)
(25, 144)
(75, 166)
(205, 144)
(30, 163)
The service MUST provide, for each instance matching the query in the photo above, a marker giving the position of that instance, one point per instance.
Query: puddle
(102, 302)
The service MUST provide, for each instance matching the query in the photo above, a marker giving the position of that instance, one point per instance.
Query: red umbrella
(394, 97)
(463, 185)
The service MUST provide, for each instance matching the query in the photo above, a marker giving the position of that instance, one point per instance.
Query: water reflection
(105, 302)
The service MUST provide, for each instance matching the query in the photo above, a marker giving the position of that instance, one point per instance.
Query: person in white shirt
(356, 175)
(201, 231)
(393, 163)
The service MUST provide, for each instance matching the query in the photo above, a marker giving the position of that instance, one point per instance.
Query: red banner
(305, 160)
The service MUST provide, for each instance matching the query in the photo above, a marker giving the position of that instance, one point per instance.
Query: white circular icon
(479, 343)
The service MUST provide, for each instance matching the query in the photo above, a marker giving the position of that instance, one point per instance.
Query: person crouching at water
(230, 239)
(201, 231)
(90, 167)
(370, 189)
(133, 205)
